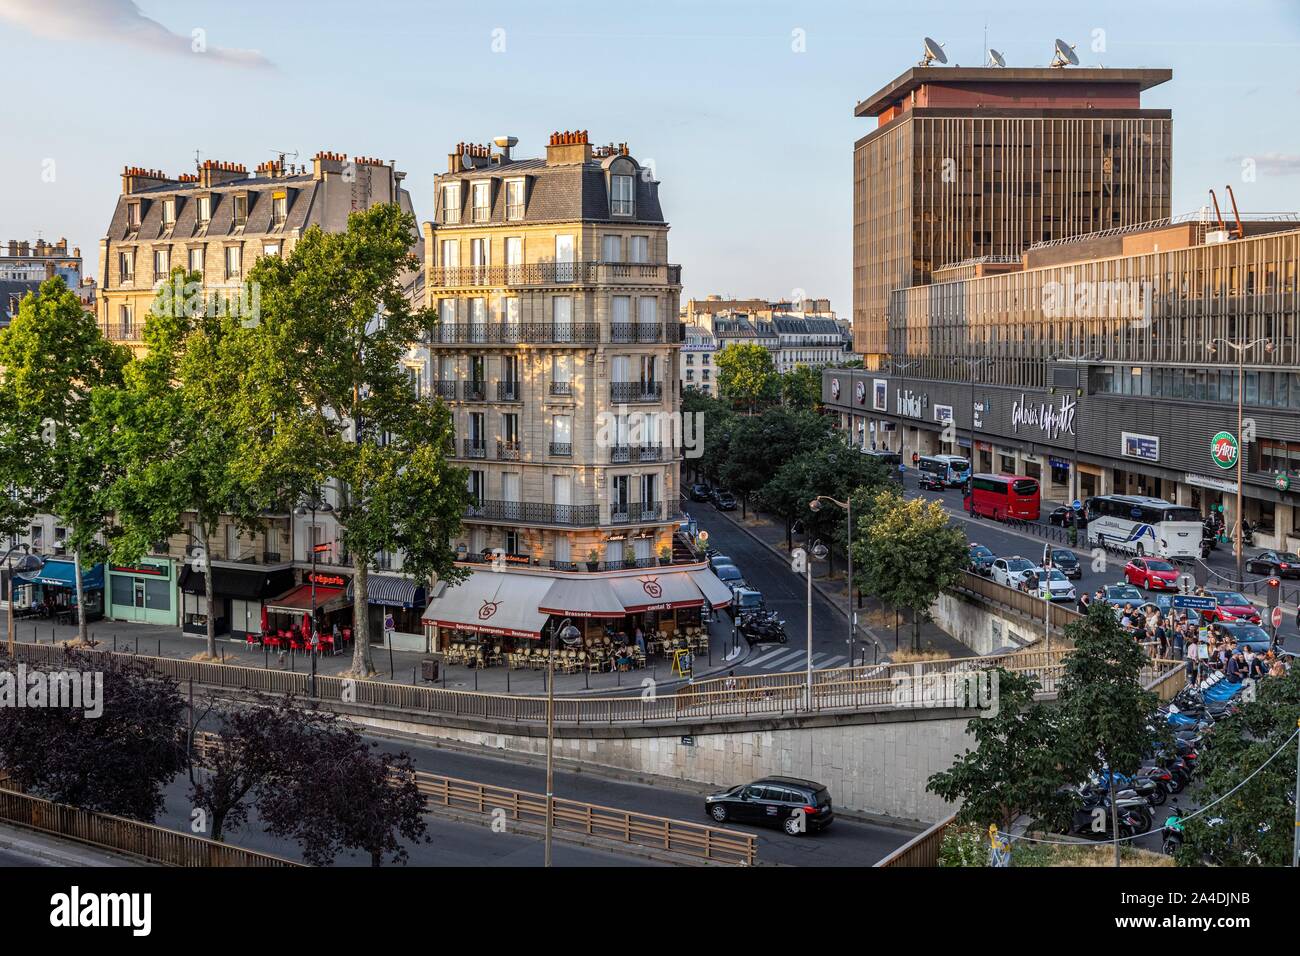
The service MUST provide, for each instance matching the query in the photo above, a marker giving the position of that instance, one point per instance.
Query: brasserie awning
(299, 599)
(390, 590)
(61, 573)
(715, 592)
(492, 602)
(657, 592)
(582, 597)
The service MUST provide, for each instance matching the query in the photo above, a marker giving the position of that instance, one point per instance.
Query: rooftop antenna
(933, 53)
(996, 59)
(197, 154)
(1064, 56)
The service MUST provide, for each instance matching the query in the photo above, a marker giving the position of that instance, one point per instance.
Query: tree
(336, 324)
(745, 373)
(1104, 710)
(907, 552)
(52, 359)
(337, 795)
(180, 430)
(116, 760)
(801, 388)
(1013, 769)
(759, 443)
(1256, 822)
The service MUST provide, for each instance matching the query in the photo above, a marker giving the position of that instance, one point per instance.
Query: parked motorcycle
(1172, 832)
(760, 627)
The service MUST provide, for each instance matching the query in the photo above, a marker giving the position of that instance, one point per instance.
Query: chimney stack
(568, 148)
(327, 162)
(136, 178)
(214, 172)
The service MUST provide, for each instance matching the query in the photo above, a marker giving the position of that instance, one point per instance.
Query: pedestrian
(1193, 655)
(730, 682)
(1084, 601)
(1178, 642)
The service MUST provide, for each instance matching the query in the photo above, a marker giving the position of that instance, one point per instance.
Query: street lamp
(569, 635)
(314, 505)
(900, 369)
(1078, 392)
(816, 505)
(803, 561)
(28, 562)
(972, 364)
(1240, 349)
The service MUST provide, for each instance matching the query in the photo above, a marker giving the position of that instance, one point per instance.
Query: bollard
(476, 678)
(137, 647)
(160, 647)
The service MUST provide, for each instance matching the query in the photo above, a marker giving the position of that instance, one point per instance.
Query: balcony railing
(516, 333)
(444, 388)
(474, 448)
(508, 451)
(562, 388)
(535, 512)
(556, 273)
(562, 449)
(509, 391)
(620, 392)
(474, 391)
(628, 454)
(628, 333)
(633, 511)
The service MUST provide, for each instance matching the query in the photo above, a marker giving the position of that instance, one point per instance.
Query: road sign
(1276, 617)
(704, 537)
(1195, 602)
(1076, 504)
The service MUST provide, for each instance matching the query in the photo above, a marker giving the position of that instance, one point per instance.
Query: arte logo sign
(488, 609)
(652, 587)
(1044, 416)
(1224, 451)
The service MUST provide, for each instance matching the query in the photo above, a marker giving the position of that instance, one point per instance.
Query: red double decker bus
(1003, 496)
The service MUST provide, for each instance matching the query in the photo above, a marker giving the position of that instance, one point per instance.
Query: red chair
(271, 640)
(327, 643)
(250, 638)
(296, 643)
(347, 635)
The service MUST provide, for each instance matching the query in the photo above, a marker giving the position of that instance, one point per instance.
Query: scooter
(1172, 832)
(755, 628)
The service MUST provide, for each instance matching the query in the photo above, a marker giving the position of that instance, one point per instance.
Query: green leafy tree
(53, 357)
(712, 434)
(745, 373)
(1257, 820)
(907, 552)
(759, 443)
(1013, 768)
(335, 326)
(801, 388)
(1104, 710)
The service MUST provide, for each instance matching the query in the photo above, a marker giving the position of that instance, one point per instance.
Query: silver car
(1052, 584)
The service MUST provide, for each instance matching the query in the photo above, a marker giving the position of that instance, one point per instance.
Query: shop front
(395, 612)
(51, 591)
(324, 592)
(238, 594)
(144, 592)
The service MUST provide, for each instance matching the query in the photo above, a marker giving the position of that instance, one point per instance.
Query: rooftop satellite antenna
(996, 59)
(1064, 56)
(933, 53)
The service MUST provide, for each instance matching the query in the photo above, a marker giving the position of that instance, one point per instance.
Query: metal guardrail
(1024, 602)
(923, 849)
(105, 831)
(626, 826)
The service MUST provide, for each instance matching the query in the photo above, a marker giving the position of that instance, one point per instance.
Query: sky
(744, 109)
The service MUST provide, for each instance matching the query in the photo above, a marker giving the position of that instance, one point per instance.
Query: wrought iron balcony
(444, 388)
(474, 448)
(516, 333)
(562, 449)
(474, 391)
(648, 332)
(509, 391)
(534, 512)
(561, 388)
(508, 451)
(626, 454)
(622, 392)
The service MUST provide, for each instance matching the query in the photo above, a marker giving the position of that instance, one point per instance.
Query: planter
(664, 562)
(593, 565)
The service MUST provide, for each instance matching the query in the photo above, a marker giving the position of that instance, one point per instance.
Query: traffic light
(1274, 591)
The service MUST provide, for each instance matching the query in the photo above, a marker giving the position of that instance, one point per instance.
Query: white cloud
(117, 21)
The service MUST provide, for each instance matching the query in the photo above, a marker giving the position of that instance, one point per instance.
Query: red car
(1152, 574)
(1233, 607)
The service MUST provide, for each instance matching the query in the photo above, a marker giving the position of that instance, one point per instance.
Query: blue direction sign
(1077, 505)
(1195, 602)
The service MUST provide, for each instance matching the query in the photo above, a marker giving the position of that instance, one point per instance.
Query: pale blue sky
(752, 140)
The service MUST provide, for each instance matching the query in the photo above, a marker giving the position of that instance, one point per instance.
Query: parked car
(796, 806)
(1280, 564)
(1064, 515)
(699, 492)
(1154, 574)
(724, 501)
(1117, 595)
(1011, 571)
(1245, 634)
(930, 482)
(730, 575)
(1053, 583)
(981, 559)
(1065, 559)
(717, 557)
(1233, 607)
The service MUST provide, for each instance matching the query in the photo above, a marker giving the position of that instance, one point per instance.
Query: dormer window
(205, 210)
(514, 199)
(133, 216)
(482, 201)
(241, 210)
(620, 196)
(451, 203)
(169, 213)
(279, 209)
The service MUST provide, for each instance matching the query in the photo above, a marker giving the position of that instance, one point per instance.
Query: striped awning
(390, 590)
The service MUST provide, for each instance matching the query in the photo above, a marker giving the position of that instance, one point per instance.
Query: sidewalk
(874, 620)
(401, 667)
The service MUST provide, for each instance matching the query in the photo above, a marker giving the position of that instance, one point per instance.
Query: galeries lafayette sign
(1049, 419)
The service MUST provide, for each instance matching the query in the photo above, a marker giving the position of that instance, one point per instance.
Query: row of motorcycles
(1167, 770)
(762, 626)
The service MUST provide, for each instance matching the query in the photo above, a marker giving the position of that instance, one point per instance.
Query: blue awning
(390, 591)
(61, 573)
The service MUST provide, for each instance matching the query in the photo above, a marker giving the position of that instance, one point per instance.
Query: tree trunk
(81, 603)
(362, 663)
(376, 858)
(744, 503)
(218, 825)
(207, 593)
(916, 631)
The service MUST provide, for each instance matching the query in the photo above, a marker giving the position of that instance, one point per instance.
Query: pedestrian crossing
(787, 659)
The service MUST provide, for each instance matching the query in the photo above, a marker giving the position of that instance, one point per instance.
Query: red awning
(654, 591)
(299, 599)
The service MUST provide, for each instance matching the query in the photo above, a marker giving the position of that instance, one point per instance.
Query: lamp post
(569, 634)
(313, 506)
(28, 562)
(847, 506)
(1241, 349)
(972, 364)
(900, 369)
(803, 562)
(1075, 487)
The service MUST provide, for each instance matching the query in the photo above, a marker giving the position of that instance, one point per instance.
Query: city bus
(890, 459)
(952, 470)
(1140, 525)
(1003, 496)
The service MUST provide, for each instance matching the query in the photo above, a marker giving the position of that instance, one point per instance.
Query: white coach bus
(1139, 525)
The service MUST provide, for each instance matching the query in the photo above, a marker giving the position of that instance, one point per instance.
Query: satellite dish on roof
(1064, 56)
(995, 58)
(466, 162)
(933, 52)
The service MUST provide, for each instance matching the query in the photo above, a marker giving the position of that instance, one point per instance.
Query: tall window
(562, 374)
(451, 258)
(514, 199)
(514, 258)
(169, 212)
(451, 203)
(611, 249)
(124, 321)
(126, 265)
(161, 263)
(562, 430)
(564, 258)
(562, 316)
(205, 210)
(241, 210)
(620, 203)
(621, 306)
(647, 310)
(476, 487)
(638, 249)
(196, 261)
(279, 209)
(234, 262)
(479, 254)
(446, 320)
(133, 216)
(482, 200)
(510, 315)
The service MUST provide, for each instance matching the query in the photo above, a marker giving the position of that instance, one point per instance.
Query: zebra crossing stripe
(786, 660)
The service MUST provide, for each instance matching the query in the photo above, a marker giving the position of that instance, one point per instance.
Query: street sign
(1276, 617)
(1223, 449)
(1076, 504)
(1195, 602)
(704, 537)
